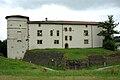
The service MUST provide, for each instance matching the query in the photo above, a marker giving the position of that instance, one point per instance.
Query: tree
(108, 31)
(0, 46)
(3, 47)
(117, 38)
(108, 28)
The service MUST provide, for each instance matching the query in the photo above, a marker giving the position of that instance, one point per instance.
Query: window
(85, 32)
(39, 41)
(19, 36)
(51, 32)
(85, 41)
(39, 25)
(22, 51)
(19, 40)
(39, 32)
(57, 32)
(66, 38)
(86, 26)
(70, 29)
(56, 41)
(65, 29)
(10, 24)
(70, 37)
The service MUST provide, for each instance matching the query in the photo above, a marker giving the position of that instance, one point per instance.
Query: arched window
(51, 32)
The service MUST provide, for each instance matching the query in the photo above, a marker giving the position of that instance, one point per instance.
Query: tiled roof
(63, 22)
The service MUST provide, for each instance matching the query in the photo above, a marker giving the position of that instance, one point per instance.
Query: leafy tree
(3, 47)
(107, 32)
(0, 45)
(108, 28)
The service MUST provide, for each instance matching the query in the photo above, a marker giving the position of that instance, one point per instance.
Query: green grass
(76, 54)
(19, 70)
(6, 64)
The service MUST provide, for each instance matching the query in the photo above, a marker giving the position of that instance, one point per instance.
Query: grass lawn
(60, 75)
(19, 70)
(75, 54)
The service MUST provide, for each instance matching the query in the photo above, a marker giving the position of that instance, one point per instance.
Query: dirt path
(48, 69)
(106, 67)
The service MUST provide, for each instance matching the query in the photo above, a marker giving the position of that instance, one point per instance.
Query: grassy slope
(19, 70)
(75, 54)
(8, 64)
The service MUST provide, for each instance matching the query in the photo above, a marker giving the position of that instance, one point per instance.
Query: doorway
(66, 45)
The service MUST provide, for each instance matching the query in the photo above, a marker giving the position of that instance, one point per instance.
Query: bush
(109, 44)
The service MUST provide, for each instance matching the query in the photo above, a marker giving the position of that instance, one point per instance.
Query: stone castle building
(23, 34)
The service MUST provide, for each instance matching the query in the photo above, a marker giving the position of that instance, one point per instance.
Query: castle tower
(17, 36)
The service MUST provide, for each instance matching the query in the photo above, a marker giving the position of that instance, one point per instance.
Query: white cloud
(8, 1)
(76, 4)
(56, 12)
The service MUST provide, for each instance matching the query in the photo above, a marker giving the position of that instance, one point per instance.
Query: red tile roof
(64, 22)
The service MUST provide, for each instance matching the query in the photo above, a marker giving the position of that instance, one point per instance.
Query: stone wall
(115, 57)
(93, 60)
(76, 64)
(45, 58)
(96, 59)
(57, 59)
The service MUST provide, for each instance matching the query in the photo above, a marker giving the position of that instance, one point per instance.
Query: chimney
(46, 19)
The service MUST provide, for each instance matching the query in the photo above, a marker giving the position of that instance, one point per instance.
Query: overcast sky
(80, 10)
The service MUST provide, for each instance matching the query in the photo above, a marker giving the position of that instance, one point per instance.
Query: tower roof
(17, 16)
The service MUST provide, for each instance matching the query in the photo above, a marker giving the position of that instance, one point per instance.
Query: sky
(72, 10)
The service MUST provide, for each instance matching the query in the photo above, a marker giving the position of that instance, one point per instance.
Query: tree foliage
(107, 32)
(108, 28)
(3, 47)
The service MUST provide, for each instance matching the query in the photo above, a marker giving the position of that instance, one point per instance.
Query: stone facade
(23, 34)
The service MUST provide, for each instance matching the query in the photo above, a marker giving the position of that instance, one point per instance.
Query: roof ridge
(62, 22)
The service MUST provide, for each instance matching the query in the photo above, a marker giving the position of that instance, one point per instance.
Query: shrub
(109, 44)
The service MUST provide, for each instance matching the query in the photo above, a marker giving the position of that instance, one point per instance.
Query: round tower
(17, 36)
